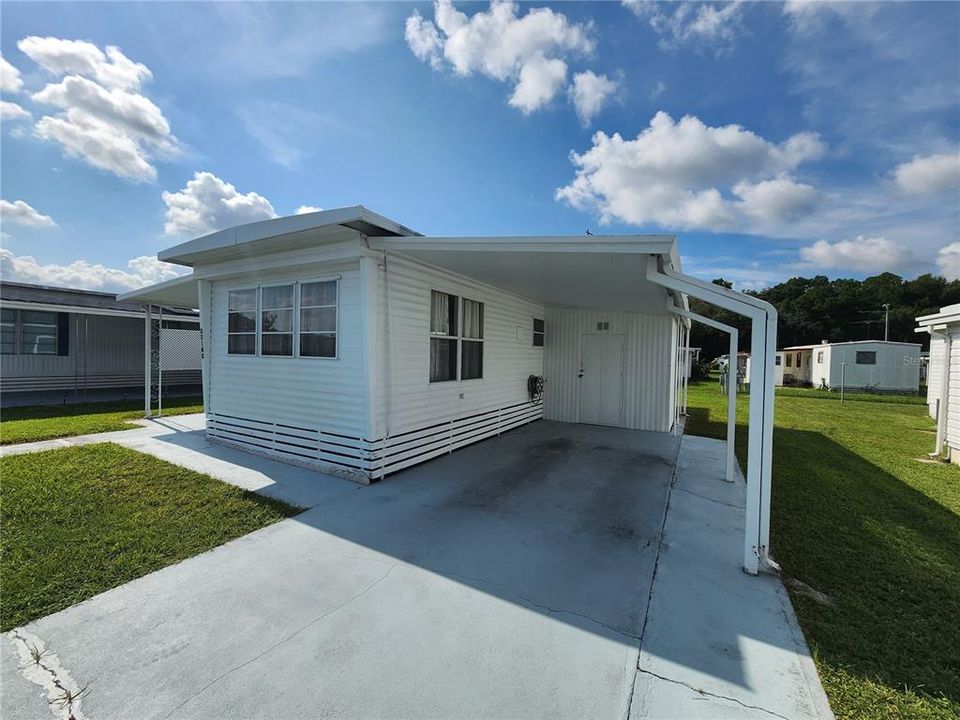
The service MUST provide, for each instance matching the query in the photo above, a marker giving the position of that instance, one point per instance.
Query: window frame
(871, 353)
(295, 332)
(18, 332)
(15, 343)
(296, 319)
(458, 336)
(541, 333)
(294, 337)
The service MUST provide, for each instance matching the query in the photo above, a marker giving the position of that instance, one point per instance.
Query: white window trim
(258, 346)
(458, 337)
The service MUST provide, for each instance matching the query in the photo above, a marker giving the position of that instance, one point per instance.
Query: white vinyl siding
(935, 372)
(301, 391)
(648, 359)
(403, 362)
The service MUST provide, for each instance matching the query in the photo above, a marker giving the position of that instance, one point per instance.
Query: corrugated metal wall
(897, 368)
(648, 372)
(315, 393)
(403, 369)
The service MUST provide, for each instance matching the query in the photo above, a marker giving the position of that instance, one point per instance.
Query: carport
(627, 274)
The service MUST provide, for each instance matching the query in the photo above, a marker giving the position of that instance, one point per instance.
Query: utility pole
(886, 321)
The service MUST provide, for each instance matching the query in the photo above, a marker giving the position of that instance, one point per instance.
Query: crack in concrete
(42, 667)
(710, 499)
(706, 693)
(282, 641)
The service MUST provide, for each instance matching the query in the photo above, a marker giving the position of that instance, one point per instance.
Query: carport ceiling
(591, 280)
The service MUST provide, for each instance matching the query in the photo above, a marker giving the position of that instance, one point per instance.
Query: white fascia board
(638, 244)
(278, 227)
(938, 319)
(150, 293)
(332, 252)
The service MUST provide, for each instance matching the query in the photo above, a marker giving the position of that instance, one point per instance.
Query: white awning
(179, 292)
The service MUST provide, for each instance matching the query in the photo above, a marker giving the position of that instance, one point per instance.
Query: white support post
(159, 360)
(944, 392)
(734, 334)
(763, 319)
(147, 406)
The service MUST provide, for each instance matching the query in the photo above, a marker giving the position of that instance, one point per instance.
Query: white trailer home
(347, 342)
(943, 378)
(864, 365)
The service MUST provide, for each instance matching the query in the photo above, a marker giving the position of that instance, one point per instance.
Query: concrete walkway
(523, 577)
(181, 439)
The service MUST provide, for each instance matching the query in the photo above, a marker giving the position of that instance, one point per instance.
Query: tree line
(817, 308)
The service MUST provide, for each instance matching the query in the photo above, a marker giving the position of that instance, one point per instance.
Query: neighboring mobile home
(65, 345)
(347, 342)
(943, 378)
(859, 365)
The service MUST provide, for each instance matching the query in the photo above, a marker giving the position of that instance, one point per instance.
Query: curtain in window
(440, 313)
(472, 319)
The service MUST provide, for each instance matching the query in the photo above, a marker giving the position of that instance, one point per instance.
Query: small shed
(345, 341)
(67, 345)
(943, 378)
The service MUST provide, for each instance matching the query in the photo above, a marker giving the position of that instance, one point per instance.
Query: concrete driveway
(510, 579)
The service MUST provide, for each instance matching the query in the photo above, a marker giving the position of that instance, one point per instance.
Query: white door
(601, 379)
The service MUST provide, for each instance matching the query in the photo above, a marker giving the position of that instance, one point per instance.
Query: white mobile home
(348, 342)
(943, 378)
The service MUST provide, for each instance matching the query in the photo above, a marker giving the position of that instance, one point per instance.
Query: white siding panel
(647, 383)
(953, 395)
(406, 400)
(319, 394)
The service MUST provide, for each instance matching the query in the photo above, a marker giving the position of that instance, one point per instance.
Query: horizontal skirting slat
(327, 449)
(94, 382)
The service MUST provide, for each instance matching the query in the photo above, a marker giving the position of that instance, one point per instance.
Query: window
(242, 322)
(820, 357)
(38, 332)
(443, 336)
(538, 332)
(276, 320)
(777, 361)
(789, 358)
(866, 357)
(798, 359)
(318, 319)
(472, 345)
(8, 332)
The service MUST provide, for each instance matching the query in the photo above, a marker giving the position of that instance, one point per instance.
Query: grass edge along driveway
(858, 515)
(48, 422)
(78, 521)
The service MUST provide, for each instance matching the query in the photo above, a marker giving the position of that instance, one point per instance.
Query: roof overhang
(283, 233)
(178, 292)
(601, 272)
(949, 315)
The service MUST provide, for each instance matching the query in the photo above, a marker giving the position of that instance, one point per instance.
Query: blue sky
(774, 139)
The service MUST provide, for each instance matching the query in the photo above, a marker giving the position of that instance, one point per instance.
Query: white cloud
(144, 270)
(529, 52)
(304, 209)
(929, 175)
(10, 81)
(948, 260)
(686, 174)
(12, 111)
(589, 93)
(701, 23)
(104, 119)
(658, 89)
(21, 213)
(207, 204)
(865, 254)
(77, 57)
(285, 132)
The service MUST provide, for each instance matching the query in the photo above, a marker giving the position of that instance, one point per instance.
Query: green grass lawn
(78, 521)
(857, 515)
(46, 422)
